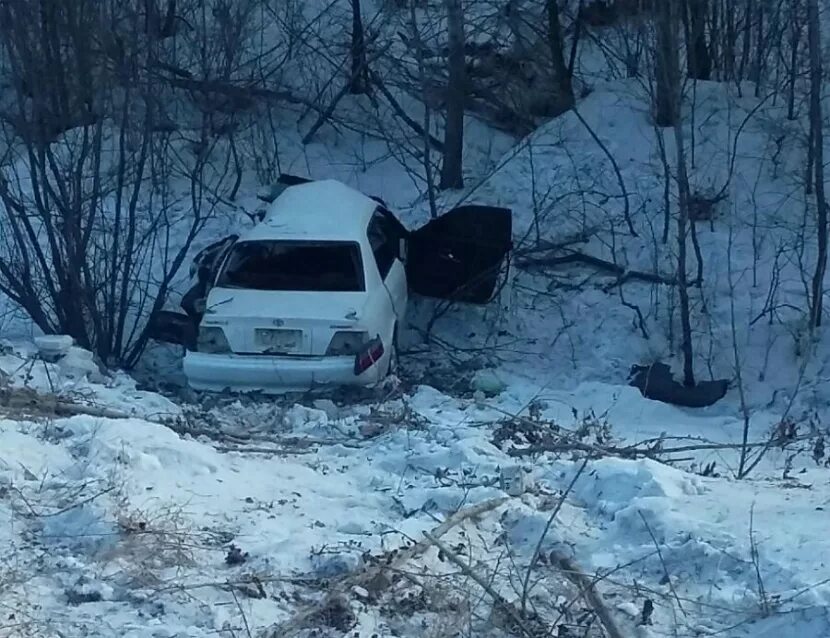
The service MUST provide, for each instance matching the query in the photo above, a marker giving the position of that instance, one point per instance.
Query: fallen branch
(437, 144)
(242, 93)
(498, 599)
(638, 450)
(620, 272)
(372, 576)
(241, 582)
(29, 401)
(617, 171)
(325, 114)
(63, 510)
(540, 542)
(589, 593)
(284, 445)
(666, 574)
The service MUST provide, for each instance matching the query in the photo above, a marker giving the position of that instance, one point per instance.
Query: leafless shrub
(89, 217)
(152, 540)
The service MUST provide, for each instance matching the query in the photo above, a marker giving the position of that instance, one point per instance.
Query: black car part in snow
(655, 382)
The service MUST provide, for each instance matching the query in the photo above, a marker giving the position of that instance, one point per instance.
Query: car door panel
(385, 233)
(459, 255)
(396, 284)
(205, 268)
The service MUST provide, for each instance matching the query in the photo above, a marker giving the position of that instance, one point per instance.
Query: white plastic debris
(513, 480)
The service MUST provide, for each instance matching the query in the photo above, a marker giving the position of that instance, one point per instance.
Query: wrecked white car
(315, 293)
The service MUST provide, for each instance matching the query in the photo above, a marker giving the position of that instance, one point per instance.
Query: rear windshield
(294, 265)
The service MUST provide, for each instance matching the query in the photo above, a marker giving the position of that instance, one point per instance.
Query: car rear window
(294, 265)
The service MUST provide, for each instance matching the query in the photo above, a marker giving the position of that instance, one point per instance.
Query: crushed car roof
(325, 209)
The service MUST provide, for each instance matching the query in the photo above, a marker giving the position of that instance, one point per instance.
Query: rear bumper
(259, 373)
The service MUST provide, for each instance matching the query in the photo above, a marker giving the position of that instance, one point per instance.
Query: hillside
(509, 481)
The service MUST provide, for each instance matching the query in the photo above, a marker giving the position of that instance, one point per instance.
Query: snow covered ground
(159, 516)
(246, 518)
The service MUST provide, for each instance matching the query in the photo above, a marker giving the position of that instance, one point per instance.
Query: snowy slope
(128, 527)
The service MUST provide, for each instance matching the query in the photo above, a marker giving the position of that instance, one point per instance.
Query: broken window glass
(294, 265)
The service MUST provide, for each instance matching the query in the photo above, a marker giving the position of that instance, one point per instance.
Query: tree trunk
(714, 38)
(795, 38)
(749, 11)
(682, 277)
(452, 165)
(814, 37)
(561, 75)
(698, 58)
(668, 113)
(667, 67)
(359, 80)
(760, 45)
(730, 40)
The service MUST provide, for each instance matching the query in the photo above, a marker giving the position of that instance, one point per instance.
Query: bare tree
(698, 58)
(682, 276)
(667, 66)
(92, 236)
(667, 99)
(792, 72)
(816, 152)
(359, 80)
(452, 175)
(561, 72)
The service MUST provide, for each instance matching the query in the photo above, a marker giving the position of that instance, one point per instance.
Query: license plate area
(278, 341)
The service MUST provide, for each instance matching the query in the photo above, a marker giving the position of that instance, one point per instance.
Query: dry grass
(152, 541)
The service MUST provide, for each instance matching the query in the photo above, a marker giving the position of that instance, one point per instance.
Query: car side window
(384, 242)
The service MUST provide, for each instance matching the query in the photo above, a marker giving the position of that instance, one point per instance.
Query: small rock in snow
(235, 556)
(371, 430)
(330, 565)
(629, 609)
(487, 382)
(360, 592)
(352, 527)
(87, 591)
(329, 407)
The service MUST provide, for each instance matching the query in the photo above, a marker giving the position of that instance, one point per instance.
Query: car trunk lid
(286, 323)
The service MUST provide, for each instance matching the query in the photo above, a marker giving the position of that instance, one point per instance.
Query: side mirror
(402, 249)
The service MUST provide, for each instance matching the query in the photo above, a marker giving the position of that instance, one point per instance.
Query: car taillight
(212, 341)
(368, 356)
(347, 343)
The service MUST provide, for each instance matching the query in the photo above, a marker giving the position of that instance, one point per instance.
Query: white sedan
(315, 293)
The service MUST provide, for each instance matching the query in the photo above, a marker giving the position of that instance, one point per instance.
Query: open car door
(459, 255)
